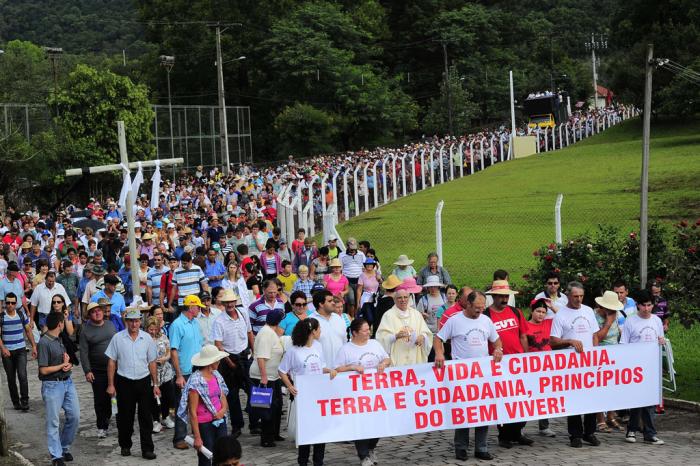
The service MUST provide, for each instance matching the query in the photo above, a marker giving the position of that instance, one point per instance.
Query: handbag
(260, 397)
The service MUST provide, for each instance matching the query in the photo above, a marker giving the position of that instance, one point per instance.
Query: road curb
(691, 406)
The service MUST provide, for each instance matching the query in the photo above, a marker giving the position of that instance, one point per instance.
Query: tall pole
(646, 130)
(512, 104)
(595, 80)
(223, 125)
(448, 89)
(129, 214)
(170, 116)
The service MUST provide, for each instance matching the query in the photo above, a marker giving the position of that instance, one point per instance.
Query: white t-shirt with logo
(469, 337)
(368, 355)
(575, 324)
(639, 330)
(303, 360)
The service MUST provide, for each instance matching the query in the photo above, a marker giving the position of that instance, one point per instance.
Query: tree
(436, 121)
(305, 130)
(89, 107)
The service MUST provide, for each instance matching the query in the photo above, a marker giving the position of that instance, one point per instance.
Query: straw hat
(209, 354)
(501, 287)
(132, 314)
(148, 236)
(409, 284)
(433, 280)
(228, 296)
(335, 263)
(403, 260)
(391, 282)
(609, 301)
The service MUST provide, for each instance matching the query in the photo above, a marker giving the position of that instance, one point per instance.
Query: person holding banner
(575, 326)
(305, 357)
(470, 333)
(404, 334)
(643, 327)
(360, 354)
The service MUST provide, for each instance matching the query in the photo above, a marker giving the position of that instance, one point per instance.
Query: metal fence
(193, 134)
(329, 201)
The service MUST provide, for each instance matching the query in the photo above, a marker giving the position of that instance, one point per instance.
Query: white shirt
(352, 265)
(368, 355)
(232, 333)
(302, 360)
(561, 301)
(41, 298)
(268, 346)
(575, 324)
(206, 323)
(333, 334)
(639, 330)
(469, 337)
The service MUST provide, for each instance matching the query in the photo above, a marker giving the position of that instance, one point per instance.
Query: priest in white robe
(404, 334)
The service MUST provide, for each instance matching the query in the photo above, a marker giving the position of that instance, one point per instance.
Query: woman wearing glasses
(300, 311)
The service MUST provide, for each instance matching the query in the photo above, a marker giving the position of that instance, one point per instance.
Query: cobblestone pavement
(680, 431)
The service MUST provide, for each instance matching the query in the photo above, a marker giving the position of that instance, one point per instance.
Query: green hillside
(497, 218)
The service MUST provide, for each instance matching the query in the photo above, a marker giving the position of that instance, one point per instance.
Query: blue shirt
(154, 276)
(132, 356)
(290, 321)
(210, 270)
(15, 286)
(117, 301)
(186, 338)
(125, 276)
(117, 322)
(13, 330)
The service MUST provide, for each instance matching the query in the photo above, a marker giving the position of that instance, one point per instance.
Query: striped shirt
(13, 331)
(259, 310)
(352, 264)
(154, 276)
(188, 281)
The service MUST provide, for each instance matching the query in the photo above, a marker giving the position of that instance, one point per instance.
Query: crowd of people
(226, 321)
(225, 303)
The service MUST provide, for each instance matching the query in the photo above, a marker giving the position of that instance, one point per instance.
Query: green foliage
(25, 74)
(88, 110)
(436, 121)
(685, 275)
(305, 130)
(599, 259)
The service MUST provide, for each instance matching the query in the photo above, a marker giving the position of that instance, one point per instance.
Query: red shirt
(449, 312)
(509, 325)
(538, 335)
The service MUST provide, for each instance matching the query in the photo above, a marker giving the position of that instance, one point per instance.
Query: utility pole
(646, 130)
(54, 55)
(124, 166)
(593, 45)
(223, 124)
(167, 62)
(512, 105)
(447, 88)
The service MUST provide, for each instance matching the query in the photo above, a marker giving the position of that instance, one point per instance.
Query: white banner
(475, 392)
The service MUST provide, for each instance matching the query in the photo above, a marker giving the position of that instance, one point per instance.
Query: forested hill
(77, 26)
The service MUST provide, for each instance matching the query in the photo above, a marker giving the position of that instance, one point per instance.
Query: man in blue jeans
(58, 391)
(14, 324)
(185, 341)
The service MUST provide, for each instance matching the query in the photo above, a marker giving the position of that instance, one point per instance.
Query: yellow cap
(193, 300)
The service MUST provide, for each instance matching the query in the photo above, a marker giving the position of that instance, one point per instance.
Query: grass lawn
(497, 218)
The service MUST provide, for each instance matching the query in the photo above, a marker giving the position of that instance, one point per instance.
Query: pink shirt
(203, 414)
(369, 284)
(336, 287)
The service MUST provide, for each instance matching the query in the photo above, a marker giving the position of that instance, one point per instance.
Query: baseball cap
(192, 300)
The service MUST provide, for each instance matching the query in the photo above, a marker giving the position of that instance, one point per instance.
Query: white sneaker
(157, 427)
(654, 441)
(630, 437)
(168, 423)
(373, 456)
(101, 433)
(547, 432)
(366, 462)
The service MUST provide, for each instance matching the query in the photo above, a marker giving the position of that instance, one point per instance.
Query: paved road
(680, 430)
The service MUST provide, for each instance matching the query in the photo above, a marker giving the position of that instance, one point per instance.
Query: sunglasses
(56, 302)
(10, 302)
(552, 283)
(300, 304)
